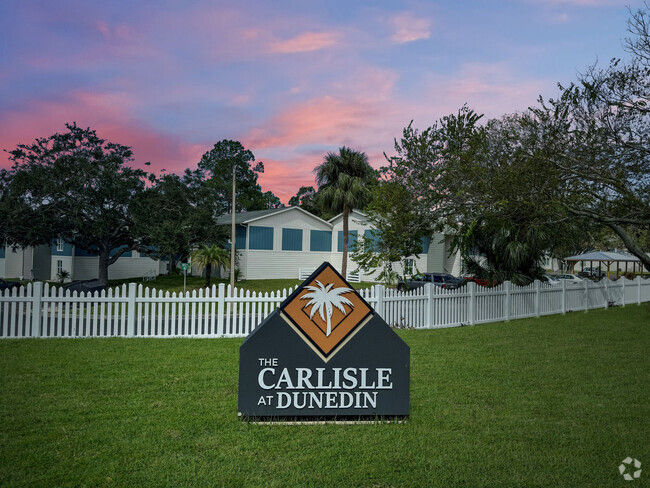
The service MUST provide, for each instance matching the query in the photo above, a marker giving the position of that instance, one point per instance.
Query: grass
(174, 283)
(556, 401)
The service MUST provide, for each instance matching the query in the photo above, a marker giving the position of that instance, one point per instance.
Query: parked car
(595, 273)
(551, 280)
(570, 278)
(442, 280)
(8, 285)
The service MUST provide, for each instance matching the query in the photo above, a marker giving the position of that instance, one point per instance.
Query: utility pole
(232, 233)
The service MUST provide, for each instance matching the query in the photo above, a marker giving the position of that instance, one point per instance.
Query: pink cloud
(409, 27)
(108, 114)
(309, 41)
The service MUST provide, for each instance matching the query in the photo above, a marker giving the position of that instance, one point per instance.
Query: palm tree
(323, 299)
(209, 256)
(343, 181)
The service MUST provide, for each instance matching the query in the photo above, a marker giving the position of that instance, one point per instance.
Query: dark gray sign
(323, 354)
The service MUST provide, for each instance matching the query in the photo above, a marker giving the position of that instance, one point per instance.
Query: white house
(44, 263)
(277, 243)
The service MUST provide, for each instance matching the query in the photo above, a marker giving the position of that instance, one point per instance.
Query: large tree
(75, 186)
(306, 199)
(344, 183)
(215, 170)
(176, 214)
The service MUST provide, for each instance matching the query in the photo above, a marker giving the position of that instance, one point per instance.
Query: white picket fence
(39, 310)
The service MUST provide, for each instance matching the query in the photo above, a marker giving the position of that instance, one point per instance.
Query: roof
(244, 218)
(353, 211)
(601, 256)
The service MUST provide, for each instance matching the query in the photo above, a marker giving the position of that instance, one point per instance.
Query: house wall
(67, 265)
(13, 262)
(267, 264)
(86, 267)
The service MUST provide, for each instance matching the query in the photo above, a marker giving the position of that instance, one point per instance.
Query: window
(260, 238)
(59, 266)
(59, 244)
(352, 240)
(408, 266)
(320, 240)
(372, 238)
(292, 239)
(425, 245)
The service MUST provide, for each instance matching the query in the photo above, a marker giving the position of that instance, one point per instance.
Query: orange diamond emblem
(326, 311)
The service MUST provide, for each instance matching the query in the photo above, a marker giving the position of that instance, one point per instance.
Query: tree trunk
(630, 244)
(172, 265)
(208, 273)
(344, 263)
(103, 266)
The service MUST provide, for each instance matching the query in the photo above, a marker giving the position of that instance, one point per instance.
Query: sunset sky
(291, 80)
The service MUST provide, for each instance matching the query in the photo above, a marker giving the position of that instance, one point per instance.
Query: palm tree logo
(323, 300)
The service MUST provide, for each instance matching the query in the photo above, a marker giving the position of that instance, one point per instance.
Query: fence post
(604, 282)
(221, 307)
(563, 297)
(638, 278)
(586, 297)
(130, 311)
(506, 286)
(471, 305)
(36, 309)
(428, 312)
(623, 280)
(538, 297)
(379, 306)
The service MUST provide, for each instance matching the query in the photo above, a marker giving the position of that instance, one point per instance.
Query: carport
(608, 258)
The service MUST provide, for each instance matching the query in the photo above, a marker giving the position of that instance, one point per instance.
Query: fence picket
(42, 310)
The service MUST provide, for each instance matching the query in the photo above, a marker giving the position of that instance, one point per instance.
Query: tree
(176, 215)
(75, 186)
(496, 251)
(215, 169)
(343, 182)
(209, 256)
(398, 232)
(306, 199)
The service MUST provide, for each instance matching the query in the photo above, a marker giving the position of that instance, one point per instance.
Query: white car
(569, 278)
(551, 280)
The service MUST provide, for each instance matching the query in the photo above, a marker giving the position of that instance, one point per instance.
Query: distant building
(43, 263)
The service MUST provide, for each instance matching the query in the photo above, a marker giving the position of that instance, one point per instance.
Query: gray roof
(243, 217)
(601, 256)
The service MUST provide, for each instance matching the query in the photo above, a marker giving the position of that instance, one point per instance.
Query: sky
(290, 80)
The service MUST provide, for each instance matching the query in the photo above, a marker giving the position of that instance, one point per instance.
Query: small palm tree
(209, 256)
(323, 299)
(344, 182)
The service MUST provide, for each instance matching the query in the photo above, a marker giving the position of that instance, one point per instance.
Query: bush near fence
(39, 310)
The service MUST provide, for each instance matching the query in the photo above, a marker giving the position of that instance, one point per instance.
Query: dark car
(443, 280)
(85, 286)
(8, 285)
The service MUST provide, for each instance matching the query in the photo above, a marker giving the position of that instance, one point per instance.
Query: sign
(324, 353)
(185, 266)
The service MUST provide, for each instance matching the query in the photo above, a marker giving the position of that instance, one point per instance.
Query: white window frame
(59, 266)
(59, 244)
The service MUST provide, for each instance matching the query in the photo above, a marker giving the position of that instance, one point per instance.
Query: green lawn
(556, 401)
(175, 283)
